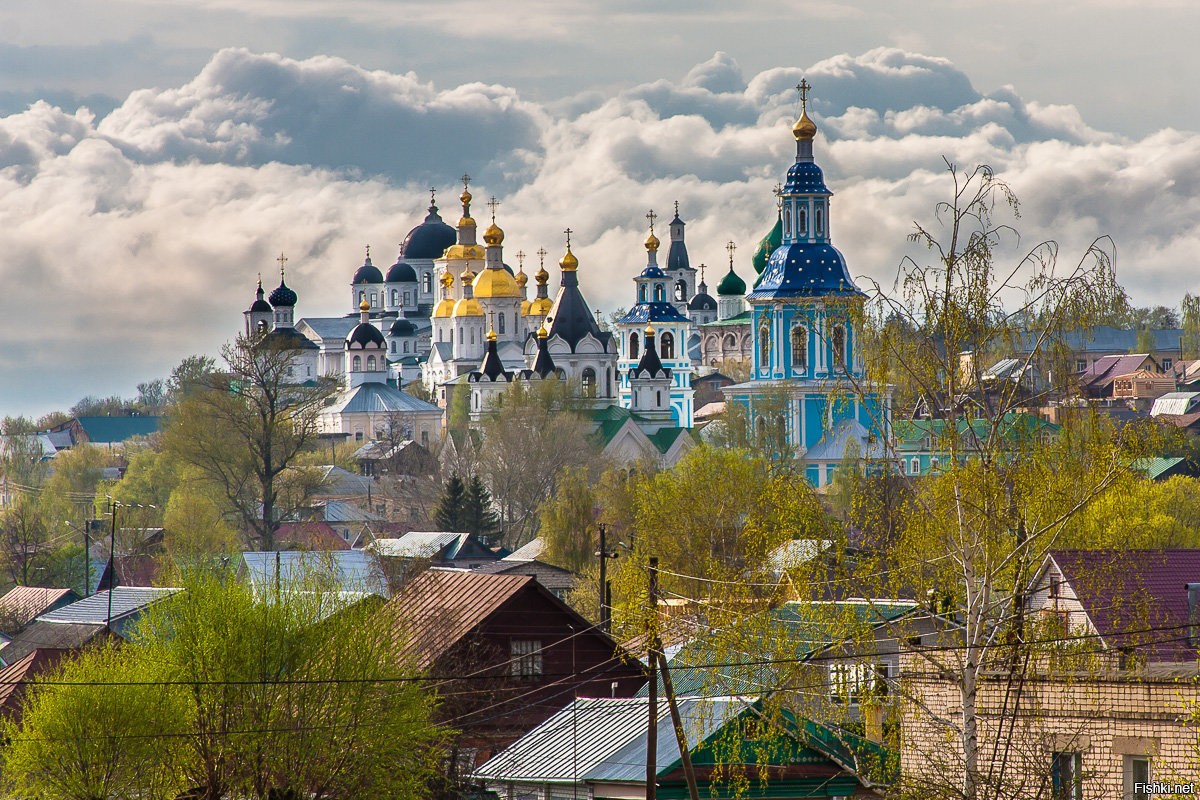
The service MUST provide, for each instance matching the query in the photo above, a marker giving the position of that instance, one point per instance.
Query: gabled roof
(346, 570)
(22, 603)
(1105, 339)
(435, 545)
(439, 608)
(1134, 598)
(126, 601)
(528, 551)
(548, 575)
(338, 481)
(40, 635)
(1106, 369)
(380, 398)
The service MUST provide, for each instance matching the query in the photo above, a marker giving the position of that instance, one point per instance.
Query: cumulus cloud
(134, 240)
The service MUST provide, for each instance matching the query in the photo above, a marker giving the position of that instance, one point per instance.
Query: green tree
(449, 514)
(194, 373)
(245, 432)
(1189, 343)
(478, 515)
(568, 521)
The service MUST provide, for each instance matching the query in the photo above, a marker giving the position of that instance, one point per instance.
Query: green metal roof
(111, 430)
(1156, 468)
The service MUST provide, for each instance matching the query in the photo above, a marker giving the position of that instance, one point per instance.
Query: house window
(934, 463)
(787, 221)
(853, 682)
(394, 346)
(667, 345)
(525, 659)
(396, 294)
(1055, 586)
(1137, 776)
(799, 347)
(1066, 776)
(1080, 365)
(914, 466)
(820, 222)
(424, 438)
(1167, 364)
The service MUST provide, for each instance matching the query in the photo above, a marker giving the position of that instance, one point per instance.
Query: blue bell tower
(805, 309)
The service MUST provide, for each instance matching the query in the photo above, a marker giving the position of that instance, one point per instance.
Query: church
(451, 316)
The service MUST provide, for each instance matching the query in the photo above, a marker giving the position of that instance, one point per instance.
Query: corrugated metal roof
(126, 601)
(380, 398)
(348, 570)
(604, 739)
(41, 635)
(439, 607)
(528, 551)
(330, 327)
(417, 544)
(110, 430)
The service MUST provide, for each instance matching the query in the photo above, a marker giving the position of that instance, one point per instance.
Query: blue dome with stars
(804, 270)
(805, 177)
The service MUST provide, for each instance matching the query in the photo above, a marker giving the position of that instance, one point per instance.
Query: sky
(155, 157)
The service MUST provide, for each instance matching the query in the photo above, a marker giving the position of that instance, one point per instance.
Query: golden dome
(467, 276)
(542, 333)
(522, 279)
(649, 329)
(804, 128)
(466, 222)
(468, 307)
(496, 283)
(447, 280)
(525, 308)
(491, 335)
(569, 262)
(493, 235)
(444, 308)
(652, 243)
(461, 251)
(540, 306)
(364, 305)
(465, 198)
(543, 277)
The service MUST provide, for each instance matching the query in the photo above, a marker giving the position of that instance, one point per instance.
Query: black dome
(260, 305)
(282, 296)
(702, 302)
(429, 239)
(365, 334)
(403, 327)
(368, 273)
(401, 273)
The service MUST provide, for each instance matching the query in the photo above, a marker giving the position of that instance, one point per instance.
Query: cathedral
(451, 316)
(805, 361)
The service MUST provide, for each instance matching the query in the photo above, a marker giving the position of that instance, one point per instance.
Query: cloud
(134, 240)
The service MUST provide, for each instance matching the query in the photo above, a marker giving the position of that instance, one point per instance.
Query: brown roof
(439, 608)
(15, 677)
(1178, 420)
(41, 635)
(23, 603)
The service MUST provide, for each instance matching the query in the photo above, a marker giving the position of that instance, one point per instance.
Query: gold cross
(568, 232)
(466, 179)
(520, 260)
(542, 253)
(282, 260)
(650, 215)
(492, 205)
(802, 87)
(730, 248)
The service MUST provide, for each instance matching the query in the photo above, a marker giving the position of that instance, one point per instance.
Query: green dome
(731, 284)
(768, 245)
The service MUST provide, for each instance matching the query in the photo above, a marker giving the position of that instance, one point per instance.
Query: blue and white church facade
(805, 309)
(655, 307)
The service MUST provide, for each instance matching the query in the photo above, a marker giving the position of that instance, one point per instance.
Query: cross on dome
(521, 260)
(568, 232)
(282, 260)
(492, 205)
(802, 87)
(543, 252)
(730, 248)
(368, 252)
(650, 215)
(466, 180)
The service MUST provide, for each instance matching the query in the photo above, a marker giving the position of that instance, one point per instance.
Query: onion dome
(260, 305)
(652, 242)
(368, 272)
(445, 307)
(365, 334)
(364, 306)
(801, 270)
(732, 285)
(540, 306)
(569, 262)
(769, 244)
(429, 239)
(401, 272)
(804, 128)
(282, 296)
(467, 276)
(543, 277)
(521, 278)
(496, 283)
(493, 236)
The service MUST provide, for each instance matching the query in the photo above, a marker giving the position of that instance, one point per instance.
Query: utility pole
(87, 559)
(605, 588)
(652, 653)
(112, 563)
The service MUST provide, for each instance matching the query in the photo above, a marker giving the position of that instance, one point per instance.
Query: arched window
(934, 463)
(370, 363)
(362, 296)
(642, 293)
(406, 347)
(764, 347)
(608, 382)
(396, 297)
(803, 222)
(427, 281)
(820, 222)
(500, 323)
(460, 335)
(633, 345)
(658, 398)
(589, 382)
(914, 466)
(730, 342)
(660, 294)
(666, 345)
(680, 291)
(799, 347)
(787, 220)
(407, 299)
(374, 302)
(357, 364)
(393, 345)
(839, 346)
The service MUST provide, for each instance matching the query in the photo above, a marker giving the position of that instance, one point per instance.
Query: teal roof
(111, 430)
(1013, 426)
(665, 438)
(740, 319)
(1157, 468)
